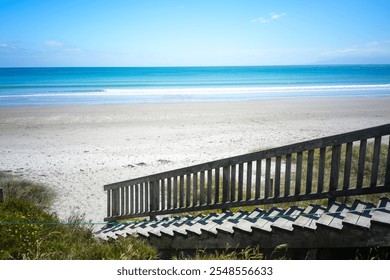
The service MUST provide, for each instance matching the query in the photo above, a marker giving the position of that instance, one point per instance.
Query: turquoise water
(86, 86)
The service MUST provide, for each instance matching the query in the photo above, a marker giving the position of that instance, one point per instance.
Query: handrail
(258, 178)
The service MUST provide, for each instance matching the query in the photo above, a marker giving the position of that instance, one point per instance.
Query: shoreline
(78, 149)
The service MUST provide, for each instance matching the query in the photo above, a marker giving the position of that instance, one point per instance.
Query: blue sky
(193, 32)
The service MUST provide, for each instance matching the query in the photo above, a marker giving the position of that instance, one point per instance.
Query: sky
(55, 33)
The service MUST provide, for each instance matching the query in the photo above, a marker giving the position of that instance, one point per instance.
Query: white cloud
(366, 50)
(53, 43)
(271, 17)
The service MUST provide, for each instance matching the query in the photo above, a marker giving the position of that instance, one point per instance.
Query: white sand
(76, 150)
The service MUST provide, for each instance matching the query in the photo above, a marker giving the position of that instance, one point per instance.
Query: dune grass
(29, 231)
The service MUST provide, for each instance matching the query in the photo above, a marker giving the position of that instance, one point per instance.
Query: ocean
(116, 85)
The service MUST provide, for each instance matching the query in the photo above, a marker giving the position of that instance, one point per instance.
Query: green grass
(30, 231)
(226, 254)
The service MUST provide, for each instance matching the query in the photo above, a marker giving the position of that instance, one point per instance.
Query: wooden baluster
(287, 182)
(233, 183)
(258, 179)
(162, 194)
(335, 167)
(249, 181)
(126, 200)
(321, 170)
(209, 186)
(298, 178)
(188, 190)
(347, 166)
(195, 189)
(375, 162)
(240, 181)
(109, 203)
(154, 196)
(309, 174)
(175, 192)
(226, 184)
(181, 190)
(362, 160)
(141, 197)
(267, 190)
(169, 193)
(216, 197)
(132, 201)
(147, 206)
(201, 188)
(115, 202)
(278, 163)
(387, 176)
(137, 198)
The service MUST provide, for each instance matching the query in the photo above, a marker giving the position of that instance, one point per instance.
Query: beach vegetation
(30, 231)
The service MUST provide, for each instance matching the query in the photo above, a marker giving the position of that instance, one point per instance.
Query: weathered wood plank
(321, 170)
(154, 196)
(362, 161)
(162, 193)
(136, 205)
(188, 190)
(181, 191)
(375, 161)
(132, 200)
(278, 163)
(209, 186)
(216, 187)
(258, 179)
(147, 206)
(309, 171)
(175, 192)
(169, 193)
(335, 168)
(240, 181)
(267, 188)
(201, 188)
(141, 198)
(249, 181)
(195, 189)
(225, 184)
(108, 202)
(115, 202)
(233, 183)
(127, 193)
(298, 176)
(387, 176)
(122, 198)
(287, 182)
(347, 165)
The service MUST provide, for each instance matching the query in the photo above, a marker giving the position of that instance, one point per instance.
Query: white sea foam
(268, 91)
(243, 90)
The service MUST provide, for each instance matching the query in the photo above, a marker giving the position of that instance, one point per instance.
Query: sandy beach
(78, 149)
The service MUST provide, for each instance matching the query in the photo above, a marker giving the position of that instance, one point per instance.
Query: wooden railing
(342, 165)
